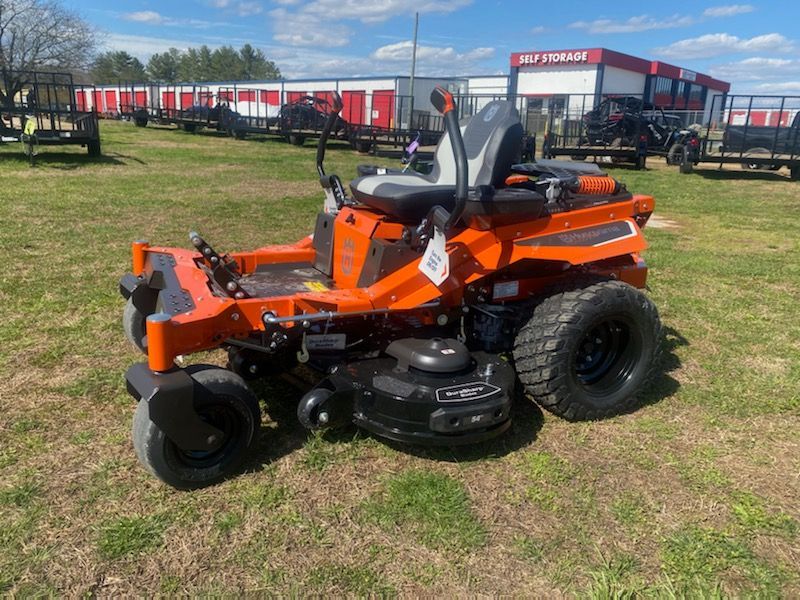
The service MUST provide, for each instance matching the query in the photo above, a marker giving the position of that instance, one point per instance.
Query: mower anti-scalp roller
(426, 302)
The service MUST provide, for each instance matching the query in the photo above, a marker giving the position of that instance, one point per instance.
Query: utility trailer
(189, 107)
(757, 132)
(47, 109)
(612, 130)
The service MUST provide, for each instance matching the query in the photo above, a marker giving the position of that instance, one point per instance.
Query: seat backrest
(493, 142)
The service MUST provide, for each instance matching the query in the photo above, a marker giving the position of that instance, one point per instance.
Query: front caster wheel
(587, 353)
(229, 406)
(134, 325)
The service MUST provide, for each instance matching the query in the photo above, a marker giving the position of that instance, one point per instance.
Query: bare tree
(41, 35)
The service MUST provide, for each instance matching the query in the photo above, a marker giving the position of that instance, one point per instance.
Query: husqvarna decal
(599, 235)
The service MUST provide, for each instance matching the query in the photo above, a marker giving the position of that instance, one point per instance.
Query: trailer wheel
(134, 325)
(230, 406)
(587, 353)
(794, 173)
(239, 134)
(190, 127)
(296, 139)
(94, 148)
(363, 147)
(752, 166)
(140, 121)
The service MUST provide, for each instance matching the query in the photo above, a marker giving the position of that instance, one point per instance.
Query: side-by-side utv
(425, 301)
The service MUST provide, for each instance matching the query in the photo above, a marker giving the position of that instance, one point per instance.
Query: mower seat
(493, 142)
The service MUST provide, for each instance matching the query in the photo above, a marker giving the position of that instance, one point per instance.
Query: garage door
(383, 108)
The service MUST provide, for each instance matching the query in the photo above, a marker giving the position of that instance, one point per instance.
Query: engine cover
(460, 398)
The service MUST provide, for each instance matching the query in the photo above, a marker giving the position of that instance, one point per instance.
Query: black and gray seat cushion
(492, 140)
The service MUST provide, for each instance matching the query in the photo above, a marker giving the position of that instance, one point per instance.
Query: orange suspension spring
(592, 184)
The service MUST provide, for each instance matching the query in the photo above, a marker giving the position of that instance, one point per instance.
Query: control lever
(335, 195)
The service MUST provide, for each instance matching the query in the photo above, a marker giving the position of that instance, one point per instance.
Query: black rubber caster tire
(230, 406)
(587, 353)
(134, 325)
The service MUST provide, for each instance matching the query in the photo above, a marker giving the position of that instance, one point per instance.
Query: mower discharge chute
(425, 300)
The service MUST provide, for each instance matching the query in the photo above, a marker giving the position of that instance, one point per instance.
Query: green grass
(130, 535)
(431, 507)
(693, 495)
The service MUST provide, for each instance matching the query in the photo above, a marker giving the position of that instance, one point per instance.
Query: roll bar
(444, 102)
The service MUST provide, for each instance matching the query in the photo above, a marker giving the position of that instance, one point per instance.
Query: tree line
(195, 64)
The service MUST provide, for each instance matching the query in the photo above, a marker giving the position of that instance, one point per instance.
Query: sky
(755, 45)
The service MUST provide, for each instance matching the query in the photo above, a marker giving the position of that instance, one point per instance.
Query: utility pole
(413, 71)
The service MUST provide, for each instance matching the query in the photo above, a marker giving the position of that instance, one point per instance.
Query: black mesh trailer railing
(189, 106)
(61, 109)
(756, 131)
(612, 128)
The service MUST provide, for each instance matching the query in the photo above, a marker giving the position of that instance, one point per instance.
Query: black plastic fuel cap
(434, 355)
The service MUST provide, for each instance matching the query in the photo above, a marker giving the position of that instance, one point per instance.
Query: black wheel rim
(225, 418)
(607, 356)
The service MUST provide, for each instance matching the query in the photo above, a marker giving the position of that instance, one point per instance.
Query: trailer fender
(170, 398)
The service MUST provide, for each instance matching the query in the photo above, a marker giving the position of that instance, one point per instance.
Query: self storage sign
(544, 59)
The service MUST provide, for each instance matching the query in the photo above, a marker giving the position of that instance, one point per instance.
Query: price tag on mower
(435, 263)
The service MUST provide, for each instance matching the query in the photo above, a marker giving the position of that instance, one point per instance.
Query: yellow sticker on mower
(316, 286)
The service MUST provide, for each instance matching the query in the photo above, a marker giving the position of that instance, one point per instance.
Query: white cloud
(144, 16)
(634, 24)
(376, 11)
(718, 44)
(776, 87)
(248, 9)
(144, 46)
(307, 29)
(728, 10)
(538, 29)
(220, 3)
(757, 69)
(432, 60)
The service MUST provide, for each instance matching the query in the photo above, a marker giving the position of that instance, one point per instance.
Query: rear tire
(134, 325)
(230, 406)
(587, 353)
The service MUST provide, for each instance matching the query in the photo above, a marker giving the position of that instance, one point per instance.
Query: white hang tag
(330, 202)
(435, 263)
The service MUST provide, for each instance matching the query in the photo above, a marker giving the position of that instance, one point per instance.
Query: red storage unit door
(225, 95)
(97, 100)
(292, 96)
(168, 100)
(111, 101)
(140, 98)
(80, 100)
(247, 95)
(272, 97)
(206, 98)
(326, 96)
(125, 101)
(187, 100)
(354, 104)
(383, 108)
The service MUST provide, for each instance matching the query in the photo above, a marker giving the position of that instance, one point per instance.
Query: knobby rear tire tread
(541, 357)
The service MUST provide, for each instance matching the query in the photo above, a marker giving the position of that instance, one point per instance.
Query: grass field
(694, 494)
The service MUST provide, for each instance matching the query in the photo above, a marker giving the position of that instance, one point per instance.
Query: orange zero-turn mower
(425, 300)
